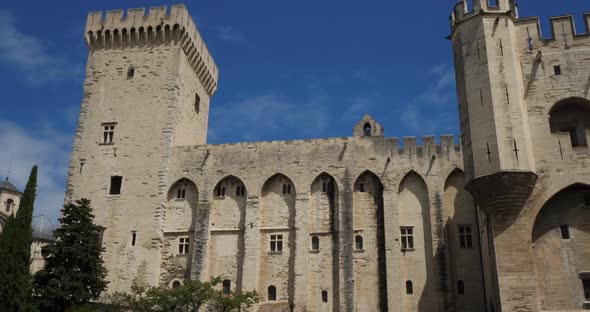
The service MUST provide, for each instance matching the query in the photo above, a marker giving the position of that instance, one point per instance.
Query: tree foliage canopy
(74, 272)
(15, 252)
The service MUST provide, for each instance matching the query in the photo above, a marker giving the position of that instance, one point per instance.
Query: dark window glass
(460, 287)
(586, 284)
(409, 288)
(407, 236)
(9, 204)
(226, 286)
(133, 238)
(115, 188)
(367, 129)
(358, 242)
(557, 70)
(465, 236)
(315, 243)
(565, 231)
(130, 72)
(272, 293)
(324, 296)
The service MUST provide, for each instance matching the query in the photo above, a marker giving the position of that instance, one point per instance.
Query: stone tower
(9, 200)
(506, 91)
(149, 79)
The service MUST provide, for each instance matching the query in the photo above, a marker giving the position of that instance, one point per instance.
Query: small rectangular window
(108, 132)
(565, 231)
(183, 245)
(586, 285)
(587, 199)
(276, 243)
(133, 238)
(407, 235)
(465, 236)
(115, 188)
(493, 3)
(557, 70)
(573, 137)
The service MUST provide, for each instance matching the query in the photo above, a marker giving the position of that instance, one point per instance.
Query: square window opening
(407, 237)
(183, 245)
(108, 133)
(565, 231)
(115, 188)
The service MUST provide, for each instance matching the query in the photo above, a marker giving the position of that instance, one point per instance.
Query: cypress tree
(15, 253)
(74, 272)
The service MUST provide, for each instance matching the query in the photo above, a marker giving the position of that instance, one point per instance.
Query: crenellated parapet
(562, 32)
(409, 147)
(134, 28)
(466, 9)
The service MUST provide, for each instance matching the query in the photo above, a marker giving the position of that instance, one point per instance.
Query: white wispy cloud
(269, 116)
(47, 147)
(432, 110)
(28, 56)
(230, 34)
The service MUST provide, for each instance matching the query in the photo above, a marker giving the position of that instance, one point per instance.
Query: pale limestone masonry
(364, 223)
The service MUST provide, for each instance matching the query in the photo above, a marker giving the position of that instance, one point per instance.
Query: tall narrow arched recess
(560, 237)
(461, 229)
(227, 224)
(368, 221)
(277, 237)
(179, 215)
(416, 241)
(323, 225)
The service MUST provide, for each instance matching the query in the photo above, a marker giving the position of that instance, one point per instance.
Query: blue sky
(288, 70)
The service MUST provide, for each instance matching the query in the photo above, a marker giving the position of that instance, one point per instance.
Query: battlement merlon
(117, 30)
(463, 11)
(562, 32)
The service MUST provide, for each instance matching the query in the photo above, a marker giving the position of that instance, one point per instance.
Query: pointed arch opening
(368, 221)
(323, 227)
(277, 227)
(414, 213)
(227, 220)
(560, 236)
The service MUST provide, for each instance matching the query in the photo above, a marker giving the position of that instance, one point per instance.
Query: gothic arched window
(367, 129)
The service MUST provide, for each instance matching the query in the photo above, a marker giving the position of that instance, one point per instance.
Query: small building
(9, 201)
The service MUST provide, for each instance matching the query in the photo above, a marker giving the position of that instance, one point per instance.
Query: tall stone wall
(409, 178)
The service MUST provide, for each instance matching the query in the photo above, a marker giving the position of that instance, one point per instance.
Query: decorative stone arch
(461, 230)
(175, 282)
(369, 222)
(323, 220)
(181, 204)
(324, 202)
(413, 213)
(182, 183)
(277, 215)
(560, 234)
(227, 220)
(552, 100)
(571, 115)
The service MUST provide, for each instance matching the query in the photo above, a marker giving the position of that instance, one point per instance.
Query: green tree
(190, 296)
(234, 301)
(74, 272)
(15, 253)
